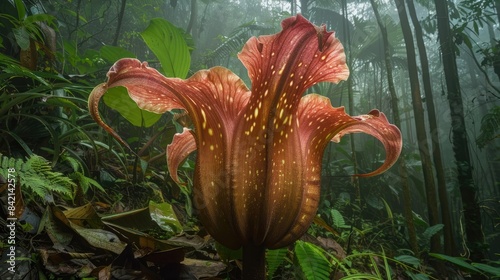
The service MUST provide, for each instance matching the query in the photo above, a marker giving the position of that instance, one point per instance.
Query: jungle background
(88, 208)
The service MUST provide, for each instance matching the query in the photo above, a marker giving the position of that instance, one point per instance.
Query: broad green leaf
(163, 214)
(100, 238)
(494, 271)
(22, 37)
(407, 259)
(118, 99)
(112, 53)
(167, 43)
(454, 260)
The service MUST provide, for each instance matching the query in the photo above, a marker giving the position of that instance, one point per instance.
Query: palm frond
(233, 43)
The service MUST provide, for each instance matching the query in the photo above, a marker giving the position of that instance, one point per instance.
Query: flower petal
(146, 86)
(182, 145)
(214, 99)
(281, 67)
(318, 123)
(93, 101)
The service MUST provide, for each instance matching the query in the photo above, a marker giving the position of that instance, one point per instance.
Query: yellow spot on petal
(281, 70)
(204, 123)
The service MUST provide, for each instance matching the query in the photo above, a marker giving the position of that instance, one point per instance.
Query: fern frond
(337, 218)
(36, 176)
(53, 181)
(312, 261)
(233, 43)
(274, 259)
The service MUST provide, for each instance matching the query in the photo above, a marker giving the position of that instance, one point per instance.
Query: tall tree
(120, 21)
(460, 145)
(403, 171)
(418, 112)
(449, 244)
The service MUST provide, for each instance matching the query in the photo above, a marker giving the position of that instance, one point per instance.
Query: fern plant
(274, 259)
(37, 177)
(312, 261)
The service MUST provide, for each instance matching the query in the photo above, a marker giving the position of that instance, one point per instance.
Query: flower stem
(254, 262)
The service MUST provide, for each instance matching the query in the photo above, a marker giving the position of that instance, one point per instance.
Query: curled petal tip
(182, 145)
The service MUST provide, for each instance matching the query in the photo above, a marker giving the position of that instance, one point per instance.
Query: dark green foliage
(489, 127)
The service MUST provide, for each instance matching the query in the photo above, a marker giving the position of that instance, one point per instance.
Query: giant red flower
(259, 151)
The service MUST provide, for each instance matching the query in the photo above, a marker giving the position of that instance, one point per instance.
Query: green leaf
(21, 9)
(312, 261)
(454, 260)
(411, 260)
(22, 37)
(112, 53)
(167, 43)
(431, 231)
(274, 259)
(118, 99)
(61, 102)
(494, 271)
(163, 214)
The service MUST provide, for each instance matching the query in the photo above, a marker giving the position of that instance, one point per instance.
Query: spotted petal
(318, 123)
(214, 100)
(281, 67)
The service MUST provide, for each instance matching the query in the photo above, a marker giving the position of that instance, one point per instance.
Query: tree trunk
(120, 21)
(403, 171)
(254, 263)
(418, 111)
(304, 8)
(468, 191)
(358, 211)
(449, 241)
(192, 17)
